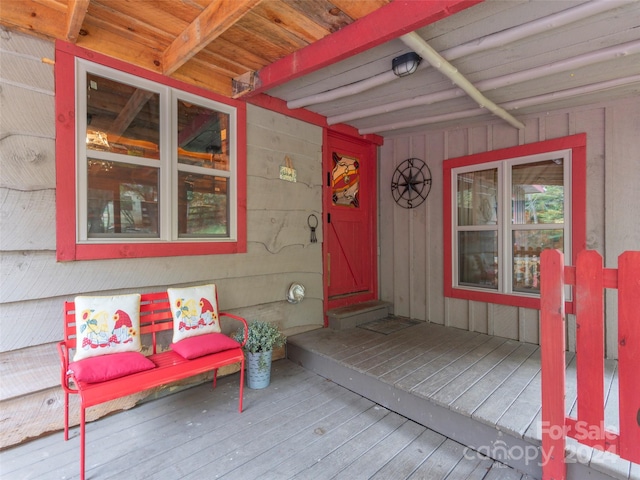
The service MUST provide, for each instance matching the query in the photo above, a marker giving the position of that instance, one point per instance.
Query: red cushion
(107, 367)
(194, 347)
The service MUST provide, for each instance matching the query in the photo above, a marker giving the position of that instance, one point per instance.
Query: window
(504, 208)
(158, 165)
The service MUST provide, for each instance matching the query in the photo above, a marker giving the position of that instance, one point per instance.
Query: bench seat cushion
(107, 367)
(194, 347)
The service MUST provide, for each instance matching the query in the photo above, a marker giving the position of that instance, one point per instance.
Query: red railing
(589, 279)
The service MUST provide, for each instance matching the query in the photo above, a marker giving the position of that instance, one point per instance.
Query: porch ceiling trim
(391, 21)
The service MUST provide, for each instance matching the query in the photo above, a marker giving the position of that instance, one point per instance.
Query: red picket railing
(589, 279)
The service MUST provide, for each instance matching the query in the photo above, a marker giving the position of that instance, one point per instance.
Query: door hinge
(328, 218)
(328, 179)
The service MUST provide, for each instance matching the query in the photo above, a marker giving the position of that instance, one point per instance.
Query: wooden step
(353, 315)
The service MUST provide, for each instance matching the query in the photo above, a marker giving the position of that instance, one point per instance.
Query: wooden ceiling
(202, 42)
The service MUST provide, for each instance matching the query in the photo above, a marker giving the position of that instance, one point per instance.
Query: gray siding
(34, 284)
(411, 267)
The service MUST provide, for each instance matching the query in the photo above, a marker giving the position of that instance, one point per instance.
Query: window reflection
(122, 200)
(478, 259)
(202, 136)
(203, 205)
(122, 118)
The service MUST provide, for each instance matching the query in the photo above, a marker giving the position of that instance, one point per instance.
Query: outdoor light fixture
(406, 64)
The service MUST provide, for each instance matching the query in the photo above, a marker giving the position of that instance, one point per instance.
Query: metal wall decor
(411, 183)
(312, 221)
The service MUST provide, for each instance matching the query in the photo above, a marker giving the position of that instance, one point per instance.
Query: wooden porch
(479, 390)
(391, 399)
(302, 426)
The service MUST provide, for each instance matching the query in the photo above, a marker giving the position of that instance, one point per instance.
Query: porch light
(406, 64)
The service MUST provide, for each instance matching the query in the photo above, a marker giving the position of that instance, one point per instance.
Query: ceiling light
(406, 64)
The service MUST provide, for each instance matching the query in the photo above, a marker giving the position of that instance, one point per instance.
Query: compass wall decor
(411, 183)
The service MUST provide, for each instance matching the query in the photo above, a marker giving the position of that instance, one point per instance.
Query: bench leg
(215, 377)
(66, 416)
(82, 441)
(241, 385)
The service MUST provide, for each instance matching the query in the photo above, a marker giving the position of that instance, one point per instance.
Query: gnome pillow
(195, 311)
(109, 324)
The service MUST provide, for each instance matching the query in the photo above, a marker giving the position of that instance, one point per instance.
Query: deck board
(447, 377)
(305, 426)
(302, 426)
(470, 399)
(411, 457)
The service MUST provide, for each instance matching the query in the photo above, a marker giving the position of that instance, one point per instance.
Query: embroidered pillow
(194, 347)
(107, 367)
(195, 311)
(107, 325)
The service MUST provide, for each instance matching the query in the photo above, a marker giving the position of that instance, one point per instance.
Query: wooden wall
(34, 285)
(411, 267)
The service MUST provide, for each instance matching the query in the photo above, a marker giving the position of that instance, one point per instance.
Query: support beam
(76, 11)
(387, 23)
(513, 105)
(138, 100)
(418, 45)
(504, 37)
(609, 53)
(217, 18)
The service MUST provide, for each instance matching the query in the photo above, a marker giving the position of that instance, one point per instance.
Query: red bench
(155, 316)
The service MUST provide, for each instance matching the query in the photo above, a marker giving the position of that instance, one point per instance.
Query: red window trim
(578, 145)
(66, 247)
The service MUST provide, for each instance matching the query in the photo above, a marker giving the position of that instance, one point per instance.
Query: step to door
(353, 315)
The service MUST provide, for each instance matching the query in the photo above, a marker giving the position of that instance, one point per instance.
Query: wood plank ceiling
(202, 42)
(495, 60)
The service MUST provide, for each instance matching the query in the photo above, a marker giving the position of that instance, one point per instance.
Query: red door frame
(372, 291)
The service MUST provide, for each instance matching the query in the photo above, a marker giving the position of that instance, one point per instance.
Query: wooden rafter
(129, 112)
(218, 17)
(76, 11)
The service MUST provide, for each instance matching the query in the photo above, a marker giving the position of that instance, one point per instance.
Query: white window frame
(168, 164)
(504, 225)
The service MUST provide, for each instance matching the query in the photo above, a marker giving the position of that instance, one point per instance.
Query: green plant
(263, 337)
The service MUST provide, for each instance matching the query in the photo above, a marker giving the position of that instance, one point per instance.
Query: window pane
(527, 245)
(477, 198)
(122, 118)
(122, 200)
(538, 192)
(203, 205)
(345, 181)
(478, 259)
(202, 136)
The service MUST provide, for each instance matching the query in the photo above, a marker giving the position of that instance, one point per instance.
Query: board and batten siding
(34, 285)
(411, 241)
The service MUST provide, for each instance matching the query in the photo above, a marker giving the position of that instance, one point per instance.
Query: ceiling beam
(130, 111)
(76, 11)
(609, 53)
(632, 81)
(422, 48)
(218, 17)
(387, 23)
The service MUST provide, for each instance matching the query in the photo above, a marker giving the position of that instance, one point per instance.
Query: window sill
(106, 251)
(514, 300)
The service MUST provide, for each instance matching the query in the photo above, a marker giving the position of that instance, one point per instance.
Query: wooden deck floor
(480, 390)
(302, 426)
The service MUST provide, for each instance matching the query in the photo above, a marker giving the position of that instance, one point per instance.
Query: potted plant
(262, 338)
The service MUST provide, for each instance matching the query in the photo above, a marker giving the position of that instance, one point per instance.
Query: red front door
(350, 221)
